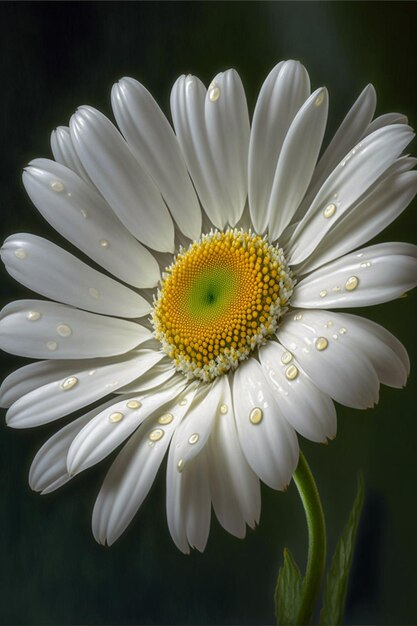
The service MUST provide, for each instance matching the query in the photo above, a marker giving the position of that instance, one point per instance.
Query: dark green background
(56, 56)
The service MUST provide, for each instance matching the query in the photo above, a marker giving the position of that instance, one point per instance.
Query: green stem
(316, 540)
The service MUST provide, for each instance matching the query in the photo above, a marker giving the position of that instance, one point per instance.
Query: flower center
(219, 300)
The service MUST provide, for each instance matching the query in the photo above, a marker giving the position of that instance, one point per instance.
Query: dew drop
(214, 92)
(330, 210)
(193, 438)
(298, 317)
(63, 330)
(183, 402)
(84, 213)
(165, 419)
(286, 358)
(156, 434)
(223, 409)
(69, 383)
(51, 345)
(323, 293)
(180, 465)
(321, 343)
(104, 243)
(335, 336)
(57, 186)
(336, 289)
(20, 253)
(351, 283)
(291, 372)
(33, 316)
(256, 415)
(94, 293)
(92, 372)
(115, 417)
(319, 100)
(133, 404)
(366, 264)
(342, 331)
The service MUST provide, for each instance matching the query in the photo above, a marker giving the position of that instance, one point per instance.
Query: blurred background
(58, 55)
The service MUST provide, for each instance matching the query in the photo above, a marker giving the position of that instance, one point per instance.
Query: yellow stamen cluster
(219, 300)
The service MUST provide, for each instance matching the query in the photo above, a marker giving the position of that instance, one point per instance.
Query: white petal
(234, 487)
(307, 409)
(213, 131)
(188, 502)
(53, 389)
(83, 217)
(386, 120)
(154, 144)
(192, 434)
(283, 93)
(227, 121)
(337, 367)
(351, 178)
(64, 152)
(111, 427)
(368, 276)
(349, 133)
(197, 502)
(368, 217)
(270, 445)
(387, 354)
(154, 377)
(61, 332)
(132, 474)
(54, 273)
(124, 184)
(296, 161)
(48, 471)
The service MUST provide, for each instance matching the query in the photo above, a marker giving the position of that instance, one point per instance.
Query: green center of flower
(219, 300)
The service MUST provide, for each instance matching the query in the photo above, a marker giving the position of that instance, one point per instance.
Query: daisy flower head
(221, 250)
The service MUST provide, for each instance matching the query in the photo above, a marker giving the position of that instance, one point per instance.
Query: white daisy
(222, 248)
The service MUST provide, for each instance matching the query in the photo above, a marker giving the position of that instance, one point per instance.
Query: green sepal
(288, 591)
(335, 589)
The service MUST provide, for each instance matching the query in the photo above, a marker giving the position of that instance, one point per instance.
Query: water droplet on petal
(133, 404)
(286, 358)
(63, 330)
(298, 317)
(69, 383)
(319, 100)
(214, 92)
(351, 283)
(291, 372)
(330, 210)
(33, 316)
(165, 419)
(223, 409)
(323, 293)
(256, 415)
(21, 253)
(193, 438)
(321, 343)
(104, 243)
(51, 345)
(57, 186)
(84, 213)
(183, 402)
(115, 417)
(180, 465)
(343, 330)
(156, 434)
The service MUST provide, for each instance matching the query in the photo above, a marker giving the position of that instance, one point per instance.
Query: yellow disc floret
(220, 300)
